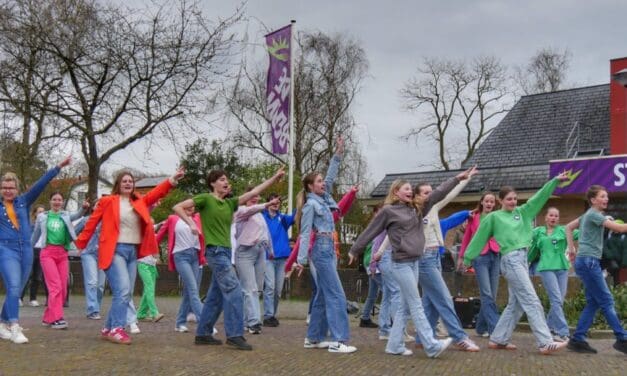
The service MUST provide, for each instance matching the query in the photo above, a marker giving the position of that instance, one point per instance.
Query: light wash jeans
(186, 263)
(16, 262)
(391, 300)
(274, 279)
(436, 298)
(487, 271)
(250, 265)
(598, 296)
(555, 283)
(406, 275)
(94, 280)
(121, 275)
(328, 311)
(522, 299)
(374, 283)
(225, 292)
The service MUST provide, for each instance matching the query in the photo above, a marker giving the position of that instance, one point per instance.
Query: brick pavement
(158, 350)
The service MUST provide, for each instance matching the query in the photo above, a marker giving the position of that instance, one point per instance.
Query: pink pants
(55, 265)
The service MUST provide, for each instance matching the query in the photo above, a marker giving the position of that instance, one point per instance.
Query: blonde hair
(11, 176)
(392, 198)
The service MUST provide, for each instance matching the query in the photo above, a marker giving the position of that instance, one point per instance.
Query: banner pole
(290, 179)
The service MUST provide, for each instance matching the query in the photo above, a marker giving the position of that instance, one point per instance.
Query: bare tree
(456, 100)
(27, 80)
(329, 70)
(128, 73)
(545, 72)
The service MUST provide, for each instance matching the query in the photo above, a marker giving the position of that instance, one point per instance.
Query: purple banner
(278, 88)
(610, 172)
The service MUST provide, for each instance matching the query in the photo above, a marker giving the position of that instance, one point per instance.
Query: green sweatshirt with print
(512, 230)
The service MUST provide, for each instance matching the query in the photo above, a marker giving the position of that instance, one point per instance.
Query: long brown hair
(479, 207)
(300, 197)
(118, 181)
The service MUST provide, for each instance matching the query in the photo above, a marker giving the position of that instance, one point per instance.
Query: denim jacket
(317, 216)
(40, 231)
(92, 245)
(9, 235)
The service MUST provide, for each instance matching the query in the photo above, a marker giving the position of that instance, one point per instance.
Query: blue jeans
(250, 265)
(555, 283)
(186, 263)
(374, 283)
(406, 275)
(224, 292)
(314, 285)
(487, 271)
(328, 311)
(121, 275)
(522, 298)
(16, 262)
(598, 296)
(94, 280)
(274, 279)
(391, 296)
(436, 298)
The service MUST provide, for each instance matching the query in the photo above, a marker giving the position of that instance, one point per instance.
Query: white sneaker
(339, 347)
(440, 330)
(134, 328)
(383, 338)
(467, 345)
(20, 302)
(316, 345)
(16, 334)
(33, 303)
(406, 352)
(215, 331)
(444, 344)
(191, 317)
(181, 329)
(308, 319)
(5, 333)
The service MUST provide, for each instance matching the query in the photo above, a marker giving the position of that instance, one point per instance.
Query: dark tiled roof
(536, 129)
(521, 177)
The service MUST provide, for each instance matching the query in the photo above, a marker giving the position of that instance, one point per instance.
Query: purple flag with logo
(610, 172)
(278, 87)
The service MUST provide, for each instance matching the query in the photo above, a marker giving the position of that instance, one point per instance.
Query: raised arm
(334, 165)
(453, 220)
(535, 203)
(262, 187)
(345, 203)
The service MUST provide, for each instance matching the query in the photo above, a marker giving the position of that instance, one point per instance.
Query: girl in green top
(225, 292)
(549, 244)
(588, 268)
(511, 227)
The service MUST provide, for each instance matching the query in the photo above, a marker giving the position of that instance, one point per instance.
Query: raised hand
(65, 162)
(339, 145)
(179, 174)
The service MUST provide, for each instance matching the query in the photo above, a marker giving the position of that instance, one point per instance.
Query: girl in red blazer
(184, 255)
(126, 233)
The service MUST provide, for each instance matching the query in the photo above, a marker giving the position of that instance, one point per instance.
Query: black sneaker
(239, 343)
(271, 322)
(621, 345)
(59, 324)
(207, 340)
(582, 347)
(367, 324)
(255, 329)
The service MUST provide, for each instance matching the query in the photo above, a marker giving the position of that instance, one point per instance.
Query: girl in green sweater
(549, 245)
(511, 227)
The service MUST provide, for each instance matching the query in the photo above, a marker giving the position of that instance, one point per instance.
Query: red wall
(618, 110)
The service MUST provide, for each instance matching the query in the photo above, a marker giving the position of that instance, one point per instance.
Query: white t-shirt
(184, 239)
(130, 228)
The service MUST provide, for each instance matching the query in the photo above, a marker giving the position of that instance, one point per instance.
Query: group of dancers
(405, 235)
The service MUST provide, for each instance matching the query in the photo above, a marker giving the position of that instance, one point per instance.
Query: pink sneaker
(118, 335)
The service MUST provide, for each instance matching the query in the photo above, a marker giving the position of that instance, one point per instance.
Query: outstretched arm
(262, 187)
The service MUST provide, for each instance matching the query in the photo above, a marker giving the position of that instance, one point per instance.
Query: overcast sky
(396, 35)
